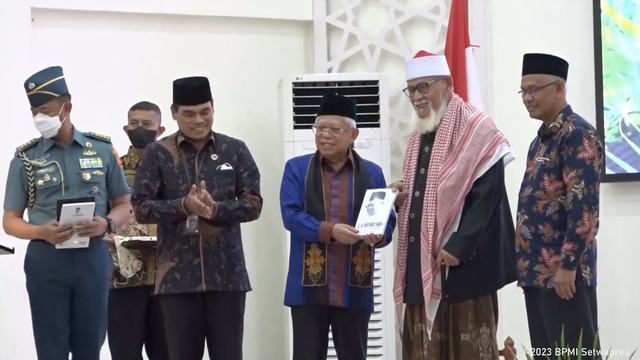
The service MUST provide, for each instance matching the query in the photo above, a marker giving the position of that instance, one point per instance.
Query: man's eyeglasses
(535, 90)
(422, 88)
(319, 130)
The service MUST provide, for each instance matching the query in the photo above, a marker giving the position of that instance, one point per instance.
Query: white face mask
(47, 125)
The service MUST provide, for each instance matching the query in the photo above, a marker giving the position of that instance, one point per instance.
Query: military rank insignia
(27, 145)
(115, 153)
(91, 163)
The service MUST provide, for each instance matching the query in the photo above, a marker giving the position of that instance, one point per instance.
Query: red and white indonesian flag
(459, 54)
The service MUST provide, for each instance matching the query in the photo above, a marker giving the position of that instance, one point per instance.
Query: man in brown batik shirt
(199, 186)
(135, 317)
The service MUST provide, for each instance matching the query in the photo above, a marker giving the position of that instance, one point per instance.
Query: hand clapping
(199, 201)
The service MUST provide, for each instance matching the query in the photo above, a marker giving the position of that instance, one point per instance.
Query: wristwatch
(111, 225)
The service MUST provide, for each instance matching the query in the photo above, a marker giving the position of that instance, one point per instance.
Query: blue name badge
(91, 163)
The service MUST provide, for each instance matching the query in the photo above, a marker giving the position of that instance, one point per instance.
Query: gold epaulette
(27, 145)
(31, 180)
(104, 138)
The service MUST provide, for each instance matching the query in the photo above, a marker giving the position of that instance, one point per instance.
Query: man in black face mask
(144, 125)
(135, 317)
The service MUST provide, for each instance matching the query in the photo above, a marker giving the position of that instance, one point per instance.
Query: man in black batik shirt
(199, 186)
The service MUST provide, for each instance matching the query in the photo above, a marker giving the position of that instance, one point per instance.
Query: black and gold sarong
(471, 334)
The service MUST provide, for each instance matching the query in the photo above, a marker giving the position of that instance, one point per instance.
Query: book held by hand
(377, 206)
(76, 213)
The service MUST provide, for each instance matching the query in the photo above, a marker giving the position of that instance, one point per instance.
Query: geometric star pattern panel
(378, 36)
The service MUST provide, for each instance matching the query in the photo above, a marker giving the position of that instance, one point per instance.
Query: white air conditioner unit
(299, 99)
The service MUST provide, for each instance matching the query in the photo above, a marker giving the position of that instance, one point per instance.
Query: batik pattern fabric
(138, 264)
(213, 259)
(558, 206)
(313, 198)
(359, 257)
(470, 333)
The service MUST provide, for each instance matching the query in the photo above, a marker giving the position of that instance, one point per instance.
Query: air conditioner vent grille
(307, 96)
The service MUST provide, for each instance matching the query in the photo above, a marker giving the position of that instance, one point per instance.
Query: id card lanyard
(191, 225)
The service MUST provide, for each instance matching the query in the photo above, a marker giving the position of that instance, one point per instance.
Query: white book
(377, 206)
(75, 214)
(135, 242)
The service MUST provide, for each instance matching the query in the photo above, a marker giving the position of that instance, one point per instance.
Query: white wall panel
(280, 9)
(15, 55)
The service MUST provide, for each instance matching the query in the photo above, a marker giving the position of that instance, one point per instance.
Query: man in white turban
(454, 220)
